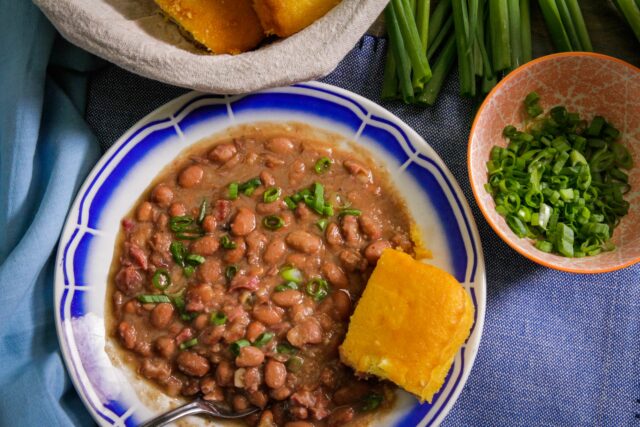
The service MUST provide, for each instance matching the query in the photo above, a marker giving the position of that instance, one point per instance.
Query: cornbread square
(408, 325)
(285, 17)
(222, 26)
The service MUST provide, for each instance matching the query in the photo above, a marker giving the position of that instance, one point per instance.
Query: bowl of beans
(553, 156)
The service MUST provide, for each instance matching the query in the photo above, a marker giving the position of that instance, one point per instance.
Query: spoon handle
(192, 408)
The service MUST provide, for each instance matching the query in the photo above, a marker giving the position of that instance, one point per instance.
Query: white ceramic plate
(112, 393)
(133, 35)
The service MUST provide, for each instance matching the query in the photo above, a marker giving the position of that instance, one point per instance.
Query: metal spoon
(198, 406)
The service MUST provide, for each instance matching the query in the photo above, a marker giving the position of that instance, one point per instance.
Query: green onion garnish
(292, 274)
(178, 251)
(194, 259)
(322, 223)
(203, 211)
(161, 279)
(562, 181)
(227, 243)
(353, 212)
(180, 223)
(317, 288)
(286, 348)
(322, 165)
(264, 338)
(218, 318)
(247, 188)
(236, 346)
(272, 222)
(290, 203)
(153, 299)
(233, 191)
(188, 344)
(271, 195)
(371, 401)
(294, 363)
(286, 286)
(188, 270)
(230, 272)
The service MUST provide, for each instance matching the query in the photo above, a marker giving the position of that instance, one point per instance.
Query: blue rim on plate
(129, 166)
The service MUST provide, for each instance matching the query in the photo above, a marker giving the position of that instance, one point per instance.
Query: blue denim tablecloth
(558, 349)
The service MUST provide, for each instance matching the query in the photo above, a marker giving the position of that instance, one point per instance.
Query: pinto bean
(198, 297)
(333, 236)
(374, 250)
(350, 230)
(252, 379)
(161, 315)
(233, 256)
(222, 153)
(267, 314)
(224, 373)
(279, 145)
(209, 224)
(358, 170)
(155, 369)
(256, 242)
(235, 331)
(207, 245)
(280, 393)
(177, 209)
(304, 242)
(266, 419)
(166, 347)
(254, 330)
(335, 275)
(210, 271)
(192, 364)
(274, 251)
(244, 222)
(272, 161)
(352, 261)
(370, 226)
(162, 194)
(129, 280)
(258, 398)
(299, 412)
(128, 334)
(308, 331)
(161, 242)
(144, 212)
(275, 374)
(249, 356)
(267, 178)
(287, 298)
(303, 212)
(239, 403)
(341, 416)
(341, 305)
(212, 335)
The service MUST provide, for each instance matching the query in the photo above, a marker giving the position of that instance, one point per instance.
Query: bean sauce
(238, 269)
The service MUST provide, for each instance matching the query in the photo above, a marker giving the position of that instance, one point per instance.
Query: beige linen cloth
(133, 35)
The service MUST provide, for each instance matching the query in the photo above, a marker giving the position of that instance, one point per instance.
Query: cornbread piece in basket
(410, 322)
(285, 17)
(222, 26)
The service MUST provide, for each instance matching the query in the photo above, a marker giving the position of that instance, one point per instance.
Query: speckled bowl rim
(530, 254)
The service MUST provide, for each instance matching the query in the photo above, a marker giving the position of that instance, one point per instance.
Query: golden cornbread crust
(222, 26)
(409, 323)
(286, 17)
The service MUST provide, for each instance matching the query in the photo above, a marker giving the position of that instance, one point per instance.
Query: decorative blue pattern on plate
(86, 248)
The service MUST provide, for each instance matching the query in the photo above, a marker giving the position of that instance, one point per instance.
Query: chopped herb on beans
(286, 348)
(178, 251)
(322, 223)
(271, 195)
(250, 186)
(287, 286)
(153, 299)
(233, 191)
(227, 243)
(188, 344)
(561, 181)
(161, 279)
(371, 401)
(236, 346)
(217, 318)
(292, 275)
(322, 165)
(273, 222)
(230, 272)
(264, 338)
(194, 259)
(203, 211)
(317, 288)
(349, 211)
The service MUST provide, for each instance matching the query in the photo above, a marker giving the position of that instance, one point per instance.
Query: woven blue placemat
(558, 349)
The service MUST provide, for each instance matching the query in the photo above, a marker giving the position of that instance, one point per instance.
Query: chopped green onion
(286, 348)
(218, 318)
(250, 186)
(161, 279)
(227, 243)
(352, 212)
(271, 195)
(233, 191)
(188, 344)
(322, 165)
(230, 272)
(182, 223)
(194, 259)
(263, 338)
(322, 223)
(292, 274)
(189, 270)
(317, 288)
(290, 203)
(236, 346)
(294, 364)
(371, 401)
(153, 299)
(273, 222)
(203, 211)
(178, 251)
(287, 286)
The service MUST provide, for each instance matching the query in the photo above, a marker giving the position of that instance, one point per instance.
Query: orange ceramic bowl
(590, 84)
